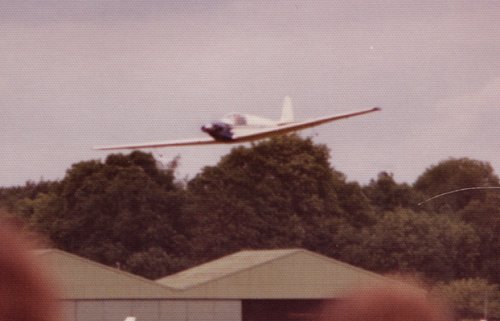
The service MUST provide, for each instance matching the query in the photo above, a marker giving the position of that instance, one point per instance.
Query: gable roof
(80, 278)
(223, 267)
(271, 274)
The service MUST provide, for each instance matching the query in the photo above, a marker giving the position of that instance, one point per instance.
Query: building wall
(152, 310)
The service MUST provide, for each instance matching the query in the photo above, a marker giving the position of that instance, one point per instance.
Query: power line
(457, 191)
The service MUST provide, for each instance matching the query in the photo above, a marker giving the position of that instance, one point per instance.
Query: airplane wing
(168, 143)
(244, 136)
(280, 130)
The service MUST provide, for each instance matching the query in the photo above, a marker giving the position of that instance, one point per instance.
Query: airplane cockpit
(235, 119)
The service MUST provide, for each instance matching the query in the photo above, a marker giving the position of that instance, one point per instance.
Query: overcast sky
(74, 74)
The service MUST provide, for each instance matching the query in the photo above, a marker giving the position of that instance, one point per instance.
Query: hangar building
(256, 285)
(276, 285)
(95, 292)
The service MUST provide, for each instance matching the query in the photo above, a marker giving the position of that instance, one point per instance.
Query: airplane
(239, 128)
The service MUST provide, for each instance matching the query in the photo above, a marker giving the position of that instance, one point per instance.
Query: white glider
(239, 128)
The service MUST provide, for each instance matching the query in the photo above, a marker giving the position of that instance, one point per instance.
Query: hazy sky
(74, 74)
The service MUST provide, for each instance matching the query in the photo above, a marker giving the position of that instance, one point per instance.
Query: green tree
(122, 212)
(387, 195)
(280, 192)
(453, 174)
(471, 298)
(12, 198)
(484, 216)
(438, 247)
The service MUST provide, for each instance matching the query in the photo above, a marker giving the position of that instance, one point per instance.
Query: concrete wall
(153, 310)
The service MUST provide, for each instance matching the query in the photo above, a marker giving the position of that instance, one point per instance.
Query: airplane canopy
(235, 119)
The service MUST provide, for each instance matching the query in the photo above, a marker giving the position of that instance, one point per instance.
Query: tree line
(129, 212)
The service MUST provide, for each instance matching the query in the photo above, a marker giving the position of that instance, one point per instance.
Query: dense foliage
(474, 298)
(123, 212)
(129, 212)
(279, 193)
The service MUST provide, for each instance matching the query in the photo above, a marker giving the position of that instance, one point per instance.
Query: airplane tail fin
(287, 111)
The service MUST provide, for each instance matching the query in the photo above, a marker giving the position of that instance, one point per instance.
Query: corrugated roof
(222, 267)
(266, 274)
(80, 278)
(271, 274)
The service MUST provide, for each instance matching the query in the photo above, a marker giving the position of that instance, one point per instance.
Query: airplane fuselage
(224, 129)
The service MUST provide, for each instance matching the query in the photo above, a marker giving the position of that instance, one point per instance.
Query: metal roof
(260, 274)
(271, 274)
(222, 267)
(80, 278)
